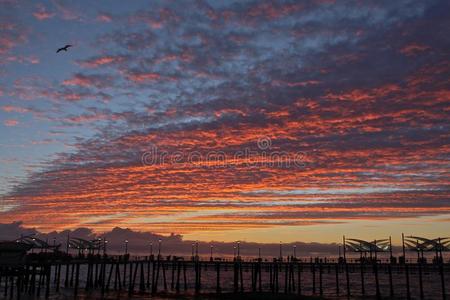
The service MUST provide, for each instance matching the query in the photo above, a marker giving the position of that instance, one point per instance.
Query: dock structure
(99, 276)
(49, 274)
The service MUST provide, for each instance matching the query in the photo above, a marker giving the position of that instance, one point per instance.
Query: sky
(227, 120)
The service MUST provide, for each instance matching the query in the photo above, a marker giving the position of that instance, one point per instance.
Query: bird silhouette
(64, 48)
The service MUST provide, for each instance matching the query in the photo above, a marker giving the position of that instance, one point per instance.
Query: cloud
(11, 122)
(104, 17)
(42, 13)
(172, 244)
(17, 109)
(96, 80)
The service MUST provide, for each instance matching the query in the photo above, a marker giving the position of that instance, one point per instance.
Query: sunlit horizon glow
(249, 120)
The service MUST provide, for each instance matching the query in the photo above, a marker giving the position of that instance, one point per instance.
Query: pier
(101, 276)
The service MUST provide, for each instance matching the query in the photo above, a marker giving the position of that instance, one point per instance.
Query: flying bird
(64, 48)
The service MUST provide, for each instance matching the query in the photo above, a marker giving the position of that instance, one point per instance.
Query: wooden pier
(149, 276)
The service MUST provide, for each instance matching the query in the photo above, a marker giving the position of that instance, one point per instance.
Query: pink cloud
(100, 61)
(11, 122)
(413, 49)
(99, 81)
(103, 17)
(142, 77)
(17, 109)
(42, 13)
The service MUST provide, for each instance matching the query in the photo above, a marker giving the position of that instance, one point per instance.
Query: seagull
(64, 48)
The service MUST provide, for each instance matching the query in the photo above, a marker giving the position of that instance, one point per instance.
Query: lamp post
(281, 253)
(196, 249)
(99, 245)
(126, 247)
(295, 251)
(105, 242)
(159, 247)
(151, 248)
(234, 252)
(68, 242)
(238, 249)
(192, 250)
(211, 254)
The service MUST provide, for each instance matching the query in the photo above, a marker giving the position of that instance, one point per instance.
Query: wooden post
(408, 290)
(148, 273)
(109, 277)
(142, 279)
(47, 286)
(286, 278)
(260, 276)
(19, 284)
(72, 275)
(77, 278)
(391, 284)
(320, 279)
(241, 276)
(124, 272)
(299, 278)
(313, 269)
(184, 276)
(177, 286)
(277, 271)
(235, 277)
(441, 271)
(38, 292)
(58, 275)
(96, 275)
(153, 273)
(218, 290)
(88, 276)
(172, 283)
(271, 285)
(164, 275)
(33, 281)
(156, 277)
(361, 266)
(337, 278)
(377, 282)
(103, 276)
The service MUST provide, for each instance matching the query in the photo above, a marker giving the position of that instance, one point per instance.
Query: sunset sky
(226, 120)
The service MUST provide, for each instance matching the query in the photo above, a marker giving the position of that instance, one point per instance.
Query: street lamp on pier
(159, 247)
(211, 254)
